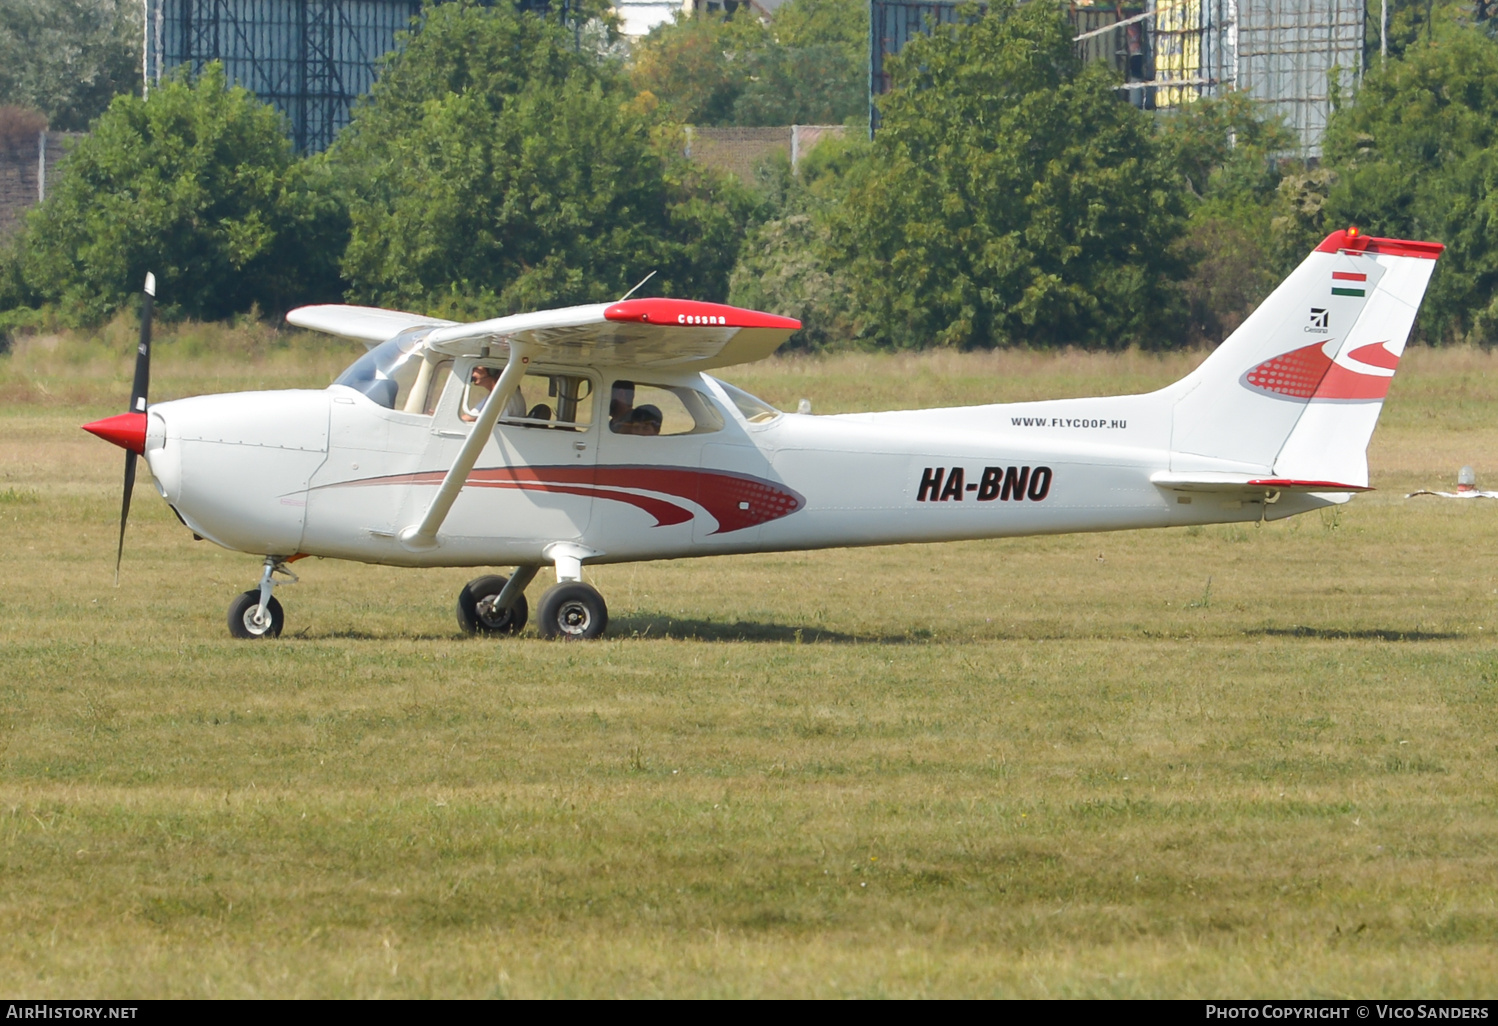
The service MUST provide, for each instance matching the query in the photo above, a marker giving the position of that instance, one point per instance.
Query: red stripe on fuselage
(735, 501)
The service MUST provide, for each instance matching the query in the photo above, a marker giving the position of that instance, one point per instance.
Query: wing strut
(423, 535)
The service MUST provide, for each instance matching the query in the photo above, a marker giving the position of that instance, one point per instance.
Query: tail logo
(1309, 374)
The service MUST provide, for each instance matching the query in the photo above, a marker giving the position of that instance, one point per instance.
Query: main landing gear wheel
(243, 613)
(477, 613)
(573, 611)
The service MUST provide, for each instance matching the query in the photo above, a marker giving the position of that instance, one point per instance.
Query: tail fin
(1295, 392)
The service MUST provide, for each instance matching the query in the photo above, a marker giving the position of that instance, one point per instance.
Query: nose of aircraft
(127, 430)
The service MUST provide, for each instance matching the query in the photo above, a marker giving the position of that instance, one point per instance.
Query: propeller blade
(143, 352)
(119, 554)
(138, 395)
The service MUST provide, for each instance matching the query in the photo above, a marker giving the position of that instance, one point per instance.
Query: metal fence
(310, 58)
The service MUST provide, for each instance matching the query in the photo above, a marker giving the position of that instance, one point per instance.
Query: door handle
(580, 446)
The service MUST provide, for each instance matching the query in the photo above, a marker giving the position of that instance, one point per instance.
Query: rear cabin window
(640, 408)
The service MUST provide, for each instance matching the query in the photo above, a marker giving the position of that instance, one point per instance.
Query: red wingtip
(127, 430)
(692, 312)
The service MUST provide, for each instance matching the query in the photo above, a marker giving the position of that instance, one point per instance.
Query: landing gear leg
(256, 613)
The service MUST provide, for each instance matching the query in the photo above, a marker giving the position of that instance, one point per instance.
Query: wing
(631, 333)
(367, 324)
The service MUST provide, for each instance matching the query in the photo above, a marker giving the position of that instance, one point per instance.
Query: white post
(1383, 32)
(160, 49)
(145, 48)
(41, 166)
(795, 146)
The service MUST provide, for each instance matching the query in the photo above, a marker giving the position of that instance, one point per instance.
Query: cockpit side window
(386, 373)
(545, 399)
(637, 408)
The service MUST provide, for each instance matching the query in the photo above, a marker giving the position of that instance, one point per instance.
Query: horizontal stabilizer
(1226, 483)
(368, 324)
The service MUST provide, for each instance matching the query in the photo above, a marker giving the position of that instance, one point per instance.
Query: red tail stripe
(1308, 373)
(1341, 240)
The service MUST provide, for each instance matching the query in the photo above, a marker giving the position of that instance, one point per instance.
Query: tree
(697, 67)
(807, 66)
(1011, 198)
(68, 58)
(789, 265)
(1416, 156)
(494, 169)
(197, 184)
(1229, 161)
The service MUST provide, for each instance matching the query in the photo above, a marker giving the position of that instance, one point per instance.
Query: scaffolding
(1292, 56)
(1289, 54)
(310, 58)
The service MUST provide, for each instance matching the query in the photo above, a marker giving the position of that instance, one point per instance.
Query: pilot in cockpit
(481, 382)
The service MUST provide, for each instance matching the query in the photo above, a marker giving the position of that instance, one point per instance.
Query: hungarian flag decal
(1349, 283)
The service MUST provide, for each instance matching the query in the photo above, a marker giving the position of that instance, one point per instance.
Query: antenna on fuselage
(636, 288)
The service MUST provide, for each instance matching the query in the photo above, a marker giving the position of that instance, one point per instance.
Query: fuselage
(339, 473)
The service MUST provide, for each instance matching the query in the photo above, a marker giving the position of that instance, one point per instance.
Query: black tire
(476, 612)
(242, 612)
(573, 611)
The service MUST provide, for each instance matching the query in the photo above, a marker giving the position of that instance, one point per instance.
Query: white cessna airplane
(592, 435)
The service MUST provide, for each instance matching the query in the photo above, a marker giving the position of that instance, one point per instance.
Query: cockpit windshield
(754, 409)
(387, 371)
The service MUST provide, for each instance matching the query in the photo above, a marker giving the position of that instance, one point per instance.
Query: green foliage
(68, 58)
(789, 265)
(494, 169)
(1412, 22)
(1225, 150)
(806, 67)
(1011, 198)
(1417, 157)
(198, 184)
(1226, 154)
(697, 67)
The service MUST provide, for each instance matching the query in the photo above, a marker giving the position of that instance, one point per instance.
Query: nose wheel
(246, 620)
(572, 611)
(256, 613)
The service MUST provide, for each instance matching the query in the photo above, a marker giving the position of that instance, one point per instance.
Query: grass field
(1228, 761)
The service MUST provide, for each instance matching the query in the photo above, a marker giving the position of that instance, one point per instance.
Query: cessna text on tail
(593, 435)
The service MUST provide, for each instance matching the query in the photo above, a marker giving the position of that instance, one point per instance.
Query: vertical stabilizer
(1295, 392)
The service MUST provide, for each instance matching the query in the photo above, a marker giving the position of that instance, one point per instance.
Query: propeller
(128, 430)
